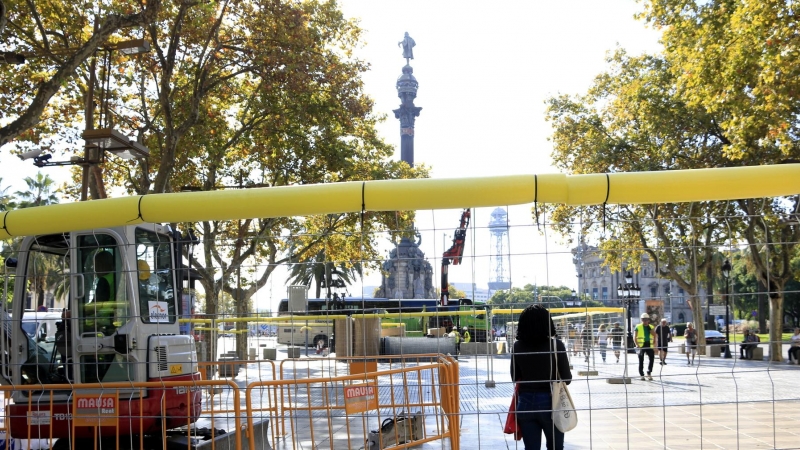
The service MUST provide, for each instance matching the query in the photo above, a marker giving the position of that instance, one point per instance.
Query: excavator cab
(114, 295)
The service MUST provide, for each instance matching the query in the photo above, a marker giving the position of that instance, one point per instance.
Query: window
(594, 293)
(104, 307)
(605, 293)
(653, 292)
(681, 299)
(155, 277)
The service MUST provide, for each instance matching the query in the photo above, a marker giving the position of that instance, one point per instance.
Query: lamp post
(726, 273)
(629, 292)
(106, 139)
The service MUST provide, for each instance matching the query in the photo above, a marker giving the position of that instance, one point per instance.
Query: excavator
(118, 292)
(477, 323)
(453, 255)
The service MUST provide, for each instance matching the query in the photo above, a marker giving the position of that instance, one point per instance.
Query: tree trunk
(762, 308)
(210, 337)
(776, 328)
(242, 310)
(697, 317)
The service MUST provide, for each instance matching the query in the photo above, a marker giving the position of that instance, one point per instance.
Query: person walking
(574, 338)
(456, 338)
(537, 358)
(643, 337)
(663, 338)
(586, 341)
(617, 333)
(602, 340)
(691, 342)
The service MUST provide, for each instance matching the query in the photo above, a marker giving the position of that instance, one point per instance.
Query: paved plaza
(716, 403)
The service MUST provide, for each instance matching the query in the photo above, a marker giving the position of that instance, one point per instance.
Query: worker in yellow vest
(467, 337)
(456, 338)
(644, 337)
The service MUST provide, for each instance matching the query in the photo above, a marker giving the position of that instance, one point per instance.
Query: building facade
(597, 282)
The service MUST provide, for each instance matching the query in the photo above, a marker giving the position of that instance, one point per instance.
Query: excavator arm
(453, 254)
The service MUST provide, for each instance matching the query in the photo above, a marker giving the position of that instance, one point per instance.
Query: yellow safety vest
(466, 337)
(641, 331)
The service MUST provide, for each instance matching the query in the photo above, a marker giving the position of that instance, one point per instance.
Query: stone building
(597, 282)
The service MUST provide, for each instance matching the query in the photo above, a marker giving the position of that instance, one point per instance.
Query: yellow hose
(394, 195)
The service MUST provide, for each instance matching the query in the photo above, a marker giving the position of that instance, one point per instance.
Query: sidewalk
(716, 403)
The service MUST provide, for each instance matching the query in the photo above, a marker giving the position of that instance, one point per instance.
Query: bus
(293, 333)
(320, 332)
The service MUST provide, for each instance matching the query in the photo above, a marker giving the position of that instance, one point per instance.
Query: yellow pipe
(194, 320)
(602, 309)
(391, 195)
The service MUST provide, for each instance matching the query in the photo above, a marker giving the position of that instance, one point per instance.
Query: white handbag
(565, 417)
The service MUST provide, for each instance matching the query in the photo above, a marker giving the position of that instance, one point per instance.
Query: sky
(484, 70)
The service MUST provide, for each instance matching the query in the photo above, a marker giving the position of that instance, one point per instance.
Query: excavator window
(46, 285)
(104, 307)
(155, 277)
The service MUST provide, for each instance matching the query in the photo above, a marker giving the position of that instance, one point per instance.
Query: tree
(7, 202)
(736, 62)
(241, 95)
(270, 96)
(552, 296)
(58, 37)
(320, 273)
(744, 287)
(631, 120)
(40, 192)
(452, 292)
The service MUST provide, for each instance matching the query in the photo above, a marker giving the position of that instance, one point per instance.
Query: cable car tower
(499, 278)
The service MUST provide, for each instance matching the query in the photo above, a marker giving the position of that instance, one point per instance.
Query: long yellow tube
(395, 195)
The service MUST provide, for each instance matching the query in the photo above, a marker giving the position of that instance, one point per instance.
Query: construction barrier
(418, 395)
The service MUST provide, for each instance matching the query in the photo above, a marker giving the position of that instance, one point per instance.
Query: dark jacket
(532, 365)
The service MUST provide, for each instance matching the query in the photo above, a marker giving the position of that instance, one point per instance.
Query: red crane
(453, 254)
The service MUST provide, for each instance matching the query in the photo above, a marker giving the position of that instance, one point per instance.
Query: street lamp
(726, 273)
(106, 139)
(629, 293)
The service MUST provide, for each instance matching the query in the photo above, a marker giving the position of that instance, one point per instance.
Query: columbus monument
(407, 274)
(407, 91)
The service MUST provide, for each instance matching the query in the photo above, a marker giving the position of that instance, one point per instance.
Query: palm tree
(313, 270)
(6, 200)
(40, 192)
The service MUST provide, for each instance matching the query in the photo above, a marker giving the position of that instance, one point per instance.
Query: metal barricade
(421, 395)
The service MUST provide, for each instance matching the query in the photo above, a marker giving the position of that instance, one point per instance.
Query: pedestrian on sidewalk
(691, 342)
(535, 351)
(602, 340)
(644, 337)
(616, 339)
(586, 341)
(663, 338)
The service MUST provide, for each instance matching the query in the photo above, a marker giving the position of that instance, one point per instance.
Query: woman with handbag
(538, 362)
